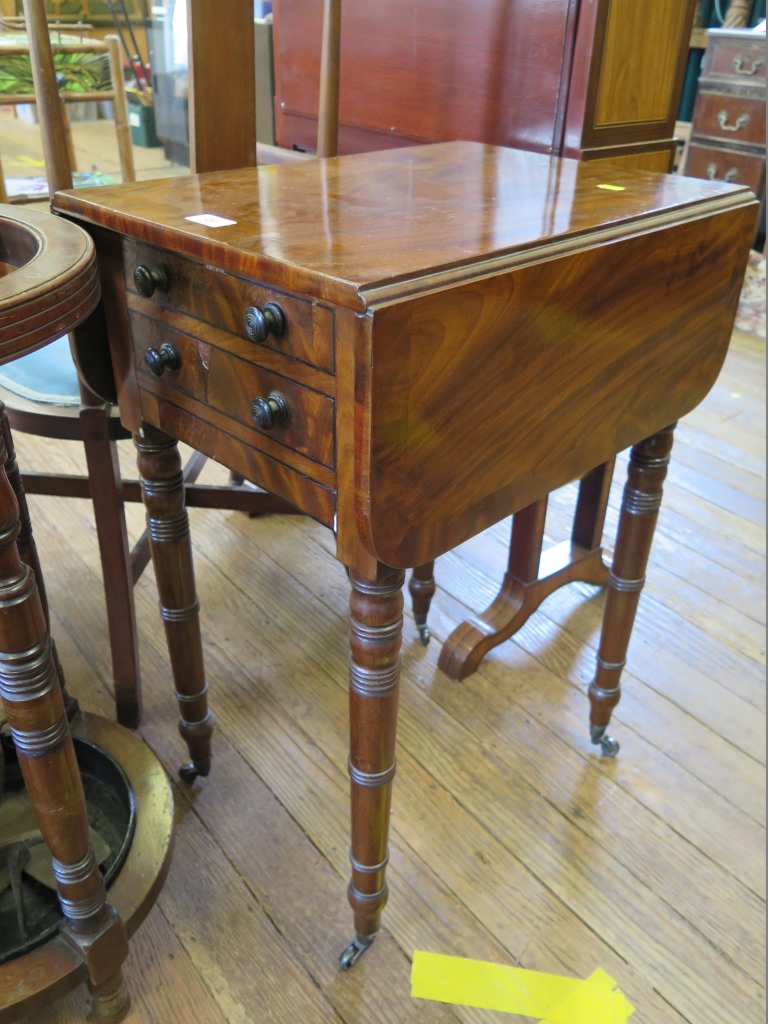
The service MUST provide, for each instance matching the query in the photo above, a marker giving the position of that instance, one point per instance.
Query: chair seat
(47, 376)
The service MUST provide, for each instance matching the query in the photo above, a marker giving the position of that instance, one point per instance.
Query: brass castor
(355, 950)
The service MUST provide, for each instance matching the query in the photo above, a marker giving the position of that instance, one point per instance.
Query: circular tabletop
(48, 279)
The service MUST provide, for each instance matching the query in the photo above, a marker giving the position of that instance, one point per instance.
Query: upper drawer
(742, 60)
(224, 300)
(737, 119)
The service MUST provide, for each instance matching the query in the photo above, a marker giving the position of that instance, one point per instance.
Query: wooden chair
(115, 94)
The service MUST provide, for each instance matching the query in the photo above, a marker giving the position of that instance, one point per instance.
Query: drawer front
(736, 119)
(742, 61)
(726, 165)
(223, 299)
(228, 385)
(314, 497)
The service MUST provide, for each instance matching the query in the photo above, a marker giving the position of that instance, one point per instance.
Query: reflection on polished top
(429, 208)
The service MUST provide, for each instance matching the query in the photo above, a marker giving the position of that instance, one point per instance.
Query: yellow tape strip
(613, 188)
(549, 997)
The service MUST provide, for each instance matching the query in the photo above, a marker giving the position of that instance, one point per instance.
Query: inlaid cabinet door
(629, 61)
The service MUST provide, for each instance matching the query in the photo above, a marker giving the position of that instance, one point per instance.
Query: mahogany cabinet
(728, 129)
(583, 78)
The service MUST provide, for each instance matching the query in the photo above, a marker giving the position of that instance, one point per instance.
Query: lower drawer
(730, 117)
(721, 164)
(228, 385)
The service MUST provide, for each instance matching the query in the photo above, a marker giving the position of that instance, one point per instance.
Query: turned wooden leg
(648, 462)
(162, 489)
(591, 506)
(27, 547)
(422, 589)
(109, 514)
(375, 634)
(34, 708)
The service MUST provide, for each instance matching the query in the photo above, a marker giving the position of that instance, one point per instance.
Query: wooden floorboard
(512, 839)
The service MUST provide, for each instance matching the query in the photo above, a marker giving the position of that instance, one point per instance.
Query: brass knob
(158, 360)
(271, 411)
(260, 323)
(147, 279)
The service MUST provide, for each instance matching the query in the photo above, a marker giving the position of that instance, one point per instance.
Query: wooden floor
(512, 840)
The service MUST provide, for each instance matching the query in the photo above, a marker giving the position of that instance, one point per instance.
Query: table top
(503, 322)
(375, 225)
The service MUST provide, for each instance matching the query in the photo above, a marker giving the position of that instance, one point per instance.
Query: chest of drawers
(728, 130)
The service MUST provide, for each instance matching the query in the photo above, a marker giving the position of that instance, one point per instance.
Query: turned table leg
(162, 488)
(421, 587)
(27, 547)
(375, 634)
(34, 708)
(648, 462)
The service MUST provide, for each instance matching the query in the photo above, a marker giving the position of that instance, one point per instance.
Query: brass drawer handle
(741, 121)
(738, 67)
(260, 323)
(271, 411)
(147, 279)
(729, 175)
(159, 360)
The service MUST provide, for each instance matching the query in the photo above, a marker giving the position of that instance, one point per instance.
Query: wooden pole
(328, 114)
(58, 168)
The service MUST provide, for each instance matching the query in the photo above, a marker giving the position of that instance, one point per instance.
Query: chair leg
(109, 514)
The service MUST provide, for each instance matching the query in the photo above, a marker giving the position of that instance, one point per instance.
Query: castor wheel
(609, 747)
(422, 629)
(189, 772)
(355, 950)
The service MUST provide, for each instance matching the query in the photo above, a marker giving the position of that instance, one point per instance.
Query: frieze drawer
(298, 328)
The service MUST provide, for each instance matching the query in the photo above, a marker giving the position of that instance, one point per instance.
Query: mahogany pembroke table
(409, 346)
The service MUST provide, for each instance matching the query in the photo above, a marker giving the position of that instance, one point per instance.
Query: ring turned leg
(34, 708)
(422, 589)
(162, 489)
(27, 547)
(648, 462)
(375, 634)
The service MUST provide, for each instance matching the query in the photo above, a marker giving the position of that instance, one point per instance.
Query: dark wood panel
(488, 71)
(548, 75)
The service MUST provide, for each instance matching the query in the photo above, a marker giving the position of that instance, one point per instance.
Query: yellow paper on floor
(550, 998)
